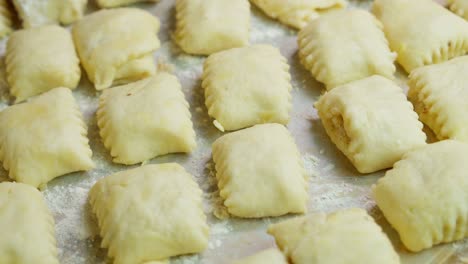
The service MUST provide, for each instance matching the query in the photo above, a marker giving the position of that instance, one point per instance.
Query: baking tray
(334, 183)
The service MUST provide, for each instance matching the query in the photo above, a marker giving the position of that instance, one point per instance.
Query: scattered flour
(310, 164)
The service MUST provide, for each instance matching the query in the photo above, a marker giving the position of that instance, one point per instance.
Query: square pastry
(116, 45)
(371, 122)
(297, 13)
(260, 172)
(145, 119)
(208, 26)
(6, 18)
(40, 59)
(247, 86)
(115, 3)
(269, 256)
(316, 238)
(425, 195)
(36, 13)
(345, 46)
(26, 225)
(150, 213)
(440, 96)
(44, 138)
(422, 32)
(459, 7)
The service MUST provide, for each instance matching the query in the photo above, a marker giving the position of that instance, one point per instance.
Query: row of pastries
(154, 212)
(35, 13)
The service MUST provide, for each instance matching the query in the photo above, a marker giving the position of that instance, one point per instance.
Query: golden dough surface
(44, 138)
(315, 239)
(26, 226)
(145, 119)
(425, 195)
(260, 172)
(152, 212)
(116, 45)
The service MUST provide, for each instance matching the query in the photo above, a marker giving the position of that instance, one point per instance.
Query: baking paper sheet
(334, 183)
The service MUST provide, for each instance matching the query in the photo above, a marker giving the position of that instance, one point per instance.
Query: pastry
(425, 195)
(346, 236)
(247, 86)
(297, 13)
(149, 213)
(26, 225)
(421, 32)
(44, 138)
(269, 256)
(116, 45)
(36, 13)
(40, 59)
(345, 46)
(371, 122)
(260, 172)
(145, 119)
(208, 26)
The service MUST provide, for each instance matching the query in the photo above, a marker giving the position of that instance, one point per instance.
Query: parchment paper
(334, 183)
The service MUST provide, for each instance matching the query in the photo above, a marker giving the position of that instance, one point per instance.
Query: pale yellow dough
(208, 26)
(459, 7)
(345, 46)
(6, 18)
(297, 13)
(26, 225)
(425, 195)
(269, 256)
(260, 172)
(116, 45)
(344, 237)
(440, 96)
(422, 32)
(44, 138)
(247, 86)
(150, 213)
(35, 13)
(145, 119)
(371, 122)
(115, 3)
(40, 59)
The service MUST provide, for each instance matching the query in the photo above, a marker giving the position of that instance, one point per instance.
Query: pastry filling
(338, 130)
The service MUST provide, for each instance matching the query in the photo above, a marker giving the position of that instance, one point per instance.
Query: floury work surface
(333, 182)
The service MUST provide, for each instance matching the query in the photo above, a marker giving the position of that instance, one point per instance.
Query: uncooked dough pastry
(459, 7)
(345, 46)
(247, 86)
(425, 195)
(6, 18)
(44, 138)
(260, 172)
(422, 32)
(116, 45)
(115, 3)
(297, 13)
(208, 26)
(150, 213)
(439, 94)
(40, 59)
(347, 236)
(145, 119)
(269, 256)
(35, 13)
(371, 122)
(26, 225)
